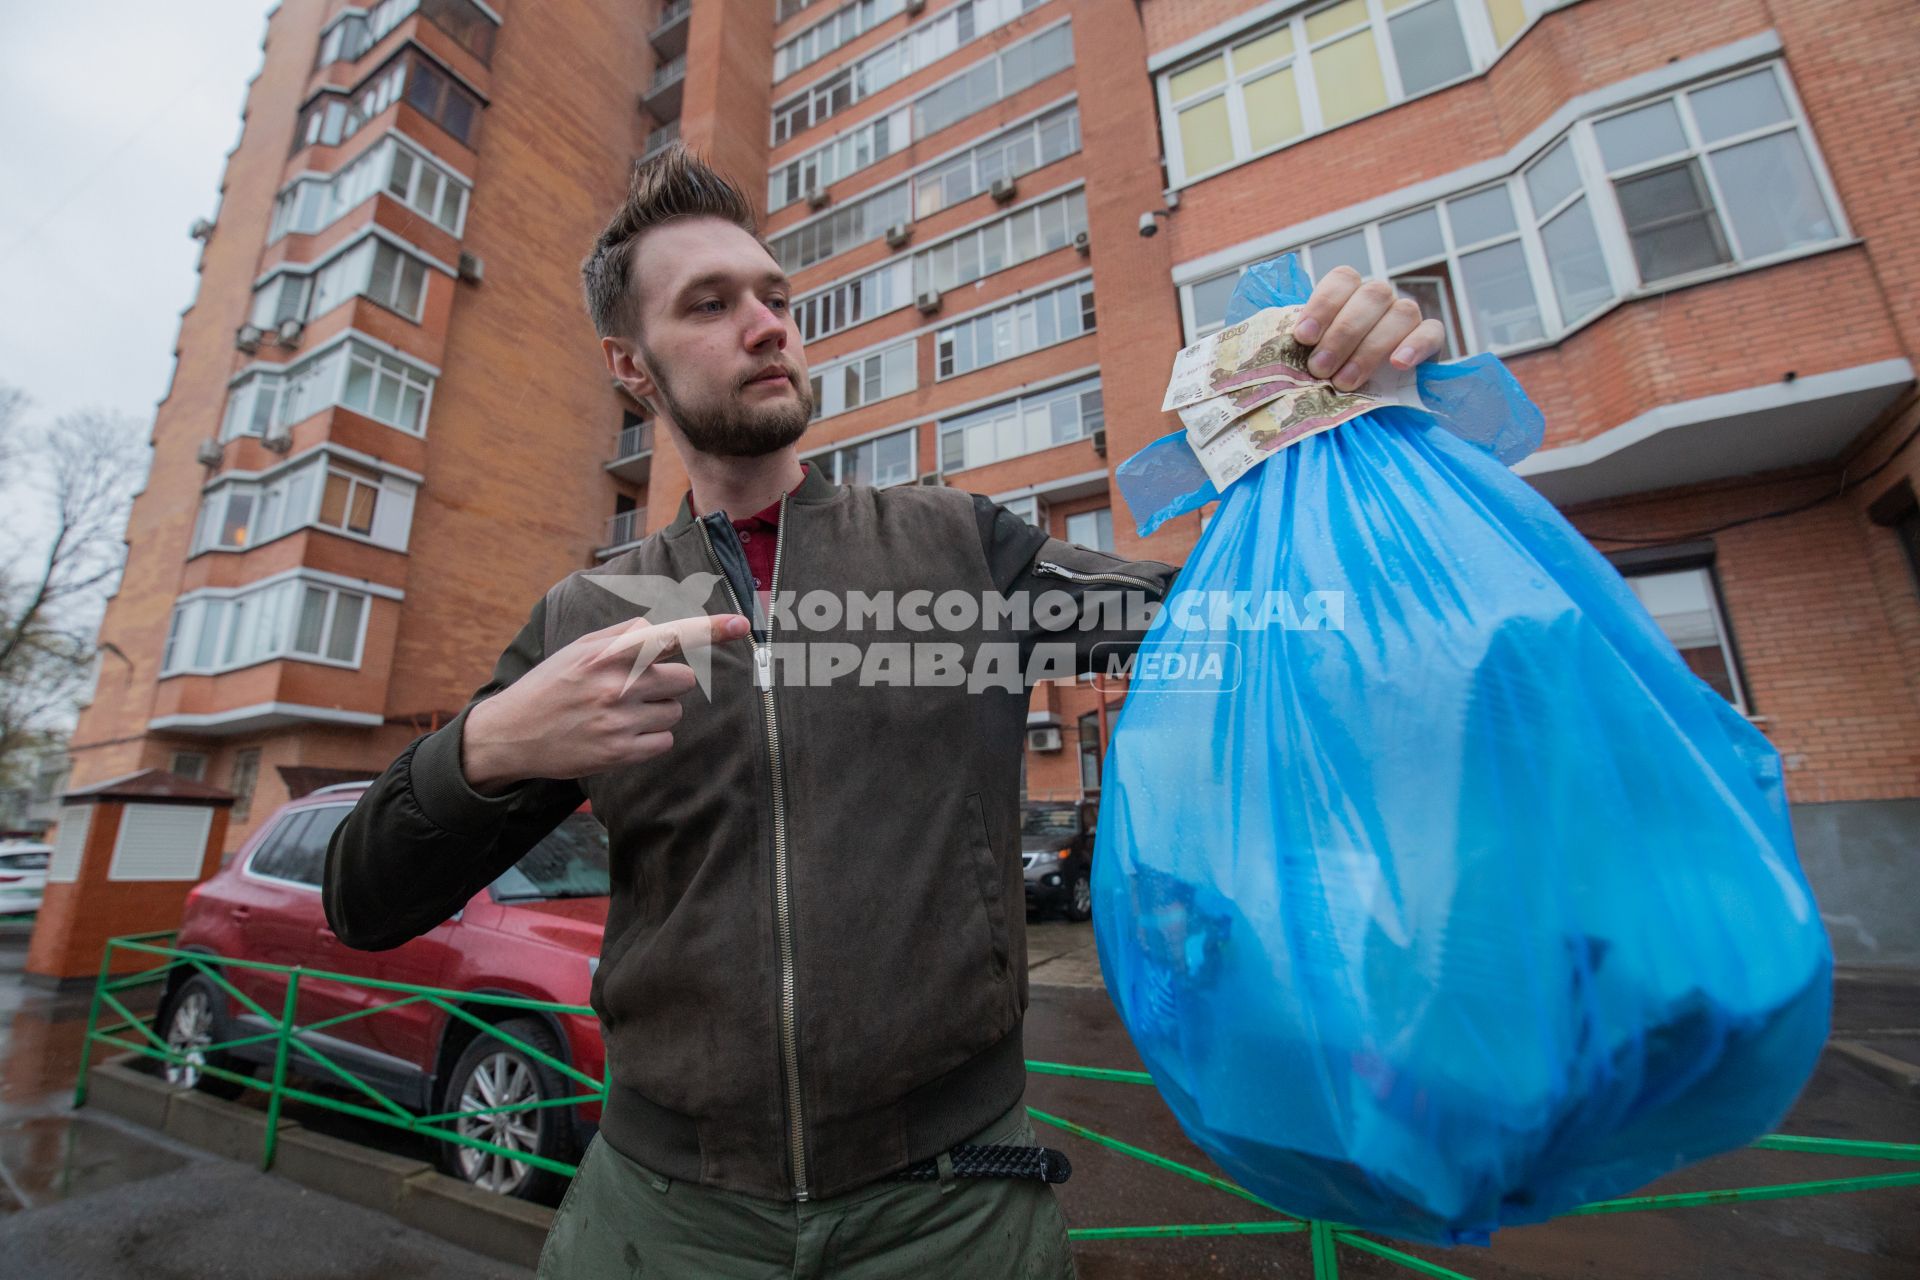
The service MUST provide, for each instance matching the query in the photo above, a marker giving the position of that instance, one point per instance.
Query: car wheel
(494, 1073)
(189, 1025)
(1080, 897)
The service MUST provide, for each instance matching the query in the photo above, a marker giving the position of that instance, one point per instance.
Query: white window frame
(918, 47)
(1020, 404)
(1722, 632)
(329, 364)
(791, 176)
(831, 456)
(227, 618)
(867, 207)
(830, 401)
(1609, 223)
(1068, 298)
(1475, 25)
(297, 489)
(333, 196)
(895, 282)
(849, 22)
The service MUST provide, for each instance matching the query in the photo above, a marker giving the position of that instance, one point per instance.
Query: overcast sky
(119, 114)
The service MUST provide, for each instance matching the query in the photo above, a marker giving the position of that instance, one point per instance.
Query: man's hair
(673, 184)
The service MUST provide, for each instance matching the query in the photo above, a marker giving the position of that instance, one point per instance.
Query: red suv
(535, 932)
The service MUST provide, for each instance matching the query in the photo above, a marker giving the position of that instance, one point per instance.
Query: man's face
(717, 339)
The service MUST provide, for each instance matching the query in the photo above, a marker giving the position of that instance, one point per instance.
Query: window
(1004, 242)
(1058, 315)
(241, 780)
(352, 374)
(372, 268)
(991, 80)
(852, 224)
(283, 298)
(291, 617)
(1029, 509)
(1019, 150)
(1020, 236)
(823, 37)
(355, 33)
(433, 93)
(1897, 509)
(1714, 175)
(1023, 425)
(1090, 752)
(864, 379)
(919, 47)
(1310, 72)
(1686, 604)
(841, 306)
(788, 8)
(189, 764)
(331, 118)
(312, 204)
(882, 461)
(1652, 193)
(1092, 529)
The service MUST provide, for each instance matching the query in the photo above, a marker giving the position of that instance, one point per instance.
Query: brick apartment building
(1692, 230)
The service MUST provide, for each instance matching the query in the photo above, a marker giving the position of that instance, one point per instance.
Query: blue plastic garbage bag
(1437, 894)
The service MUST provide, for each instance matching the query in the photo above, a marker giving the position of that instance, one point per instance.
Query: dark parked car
(535, 932)
(1056, 849)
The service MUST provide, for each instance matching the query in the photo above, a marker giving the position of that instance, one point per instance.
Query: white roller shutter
(160, 842)
(64, 866)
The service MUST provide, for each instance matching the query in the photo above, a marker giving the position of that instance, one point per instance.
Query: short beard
(741, 431)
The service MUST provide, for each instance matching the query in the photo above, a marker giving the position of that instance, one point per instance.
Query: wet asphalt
(85, 1195)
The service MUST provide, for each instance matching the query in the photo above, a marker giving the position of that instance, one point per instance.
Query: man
(813, 973)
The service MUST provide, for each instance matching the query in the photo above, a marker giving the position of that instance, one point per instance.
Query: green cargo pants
(619, 1219)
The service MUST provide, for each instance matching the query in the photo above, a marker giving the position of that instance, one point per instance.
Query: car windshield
(1049, 822)
(570, 863)
(23, 860)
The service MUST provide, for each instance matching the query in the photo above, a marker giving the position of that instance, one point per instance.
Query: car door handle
(239, 913)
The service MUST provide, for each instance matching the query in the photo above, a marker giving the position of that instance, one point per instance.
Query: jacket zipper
(1049, 569)
(782, 908)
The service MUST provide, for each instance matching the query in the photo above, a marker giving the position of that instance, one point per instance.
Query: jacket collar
(814, 488)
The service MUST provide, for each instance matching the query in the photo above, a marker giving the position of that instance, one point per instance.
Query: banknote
(1273, 426)
(1258, 349)
(1210, 417)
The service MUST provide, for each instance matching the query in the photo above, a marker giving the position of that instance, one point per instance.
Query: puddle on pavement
(48, 1158)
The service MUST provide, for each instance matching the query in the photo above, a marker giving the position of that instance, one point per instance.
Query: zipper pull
(762, 667)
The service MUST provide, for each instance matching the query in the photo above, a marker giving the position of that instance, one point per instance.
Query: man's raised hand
(607, 700)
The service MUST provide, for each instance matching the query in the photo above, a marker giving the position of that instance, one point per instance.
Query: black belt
(1042, 1164)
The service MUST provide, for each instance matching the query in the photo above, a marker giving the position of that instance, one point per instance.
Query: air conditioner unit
(200, 229)
(289, 331)
(1100, 442)
(472, 267)
(1043, 739)
(279, 440)
(915, 6)
(209, 453)
(932, 477)
(928, 300)
(898, 234)
(816, 197)
(247, 337)
(1002, 189)
(1082, 245)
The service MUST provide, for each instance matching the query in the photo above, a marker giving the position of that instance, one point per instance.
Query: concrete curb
(1888, 1069)
(411, 1190)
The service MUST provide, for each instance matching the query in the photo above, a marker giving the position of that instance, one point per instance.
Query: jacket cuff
(440, 787)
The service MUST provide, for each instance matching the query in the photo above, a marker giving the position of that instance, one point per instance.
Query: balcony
(669, 35)
(665, 135)
(623, 530)
(633, 456)
(662, 99)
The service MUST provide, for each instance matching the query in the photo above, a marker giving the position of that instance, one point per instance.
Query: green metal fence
(1325, 1239)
